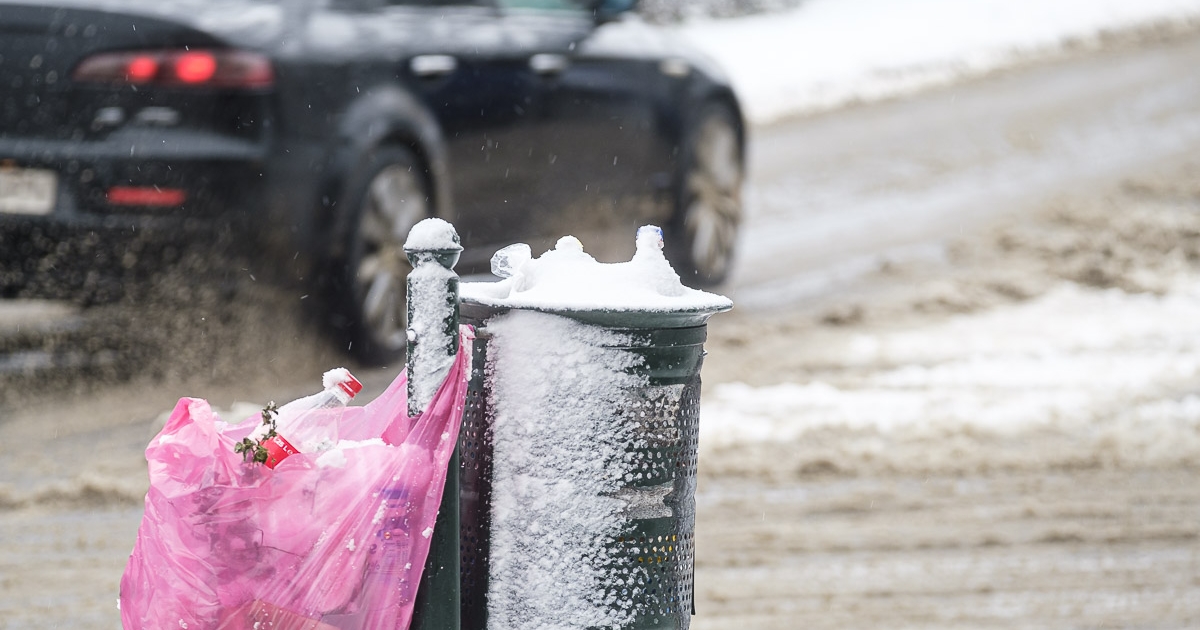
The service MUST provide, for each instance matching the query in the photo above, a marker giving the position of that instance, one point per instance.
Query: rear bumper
(215, 174)
(89, 244)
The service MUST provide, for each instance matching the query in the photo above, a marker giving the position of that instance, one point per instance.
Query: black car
(322, 130)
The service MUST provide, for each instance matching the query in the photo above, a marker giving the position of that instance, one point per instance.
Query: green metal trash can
(578, 465)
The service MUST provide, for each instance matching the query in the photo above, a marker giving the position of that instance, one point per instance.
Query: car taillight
(151, 196)
(198, 68)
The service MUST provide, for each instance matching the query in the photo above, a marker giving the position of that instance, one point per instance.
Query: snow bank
(1075, 378)
(828, 53)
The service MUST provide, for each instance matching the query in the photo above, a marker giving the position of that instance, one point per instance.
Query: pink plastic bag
(332, 540)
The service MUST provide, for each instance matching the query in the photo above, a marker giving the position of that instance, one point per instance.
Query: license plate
(27, 190)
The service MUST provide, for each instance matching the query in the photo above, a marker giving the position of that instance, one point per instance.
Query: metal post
(432, 310)
(433, 249)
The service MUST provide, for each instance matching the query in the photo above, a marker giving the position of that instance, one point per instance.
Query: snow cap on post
(435, 237)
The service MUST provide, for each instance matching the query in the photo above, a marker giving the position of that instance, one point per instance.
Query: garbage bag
(329, 540)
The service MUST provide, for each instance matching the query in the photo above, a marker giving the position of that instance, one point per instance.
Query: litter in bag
(334, 540)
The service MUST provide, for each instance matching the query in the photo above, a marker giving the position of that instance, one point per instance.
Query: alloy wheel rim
(714, 212)
(394, 203)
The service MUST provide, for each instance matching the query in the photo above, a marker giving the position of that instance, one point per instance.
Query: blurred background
(960, 387)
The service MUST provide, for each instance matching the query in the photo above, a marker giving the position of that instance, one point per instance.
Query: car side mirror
(609, 10)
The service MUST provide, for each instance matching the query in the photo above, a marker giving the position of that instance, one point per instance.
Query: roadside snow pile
(1077, 377)
(827, 53)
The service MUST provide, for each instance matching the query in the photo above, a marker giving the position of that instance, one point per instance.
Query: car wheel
(703, 234)
(391, 198)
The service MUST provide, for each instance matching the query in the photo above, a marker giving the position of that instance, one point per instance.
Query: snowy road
(1051, 549)
(833, 195)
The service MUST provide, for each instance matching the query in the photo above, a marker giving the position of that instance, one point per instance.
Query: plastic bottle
(309, 424)
(387, 581)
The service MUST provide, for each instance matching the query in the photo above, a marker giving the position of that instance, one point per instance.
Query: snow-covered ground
(1077, 376)
(828, 53)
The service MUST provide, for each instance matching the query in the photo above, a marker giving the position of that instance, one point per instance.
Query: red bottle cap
(352, 386)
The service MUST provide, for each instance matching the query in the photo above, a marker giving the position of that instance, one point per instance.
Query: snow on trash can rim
(642, 292)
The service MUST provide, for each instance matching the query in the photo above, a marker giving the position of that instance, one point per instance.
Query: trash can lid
(643, 292)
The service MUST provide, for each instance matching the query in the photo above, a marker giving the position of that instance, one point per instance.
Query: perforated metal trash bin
(629, 554)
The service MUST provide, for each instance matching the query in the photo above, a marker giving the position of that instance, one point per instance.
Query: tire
(390, 197)
(702, 236)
